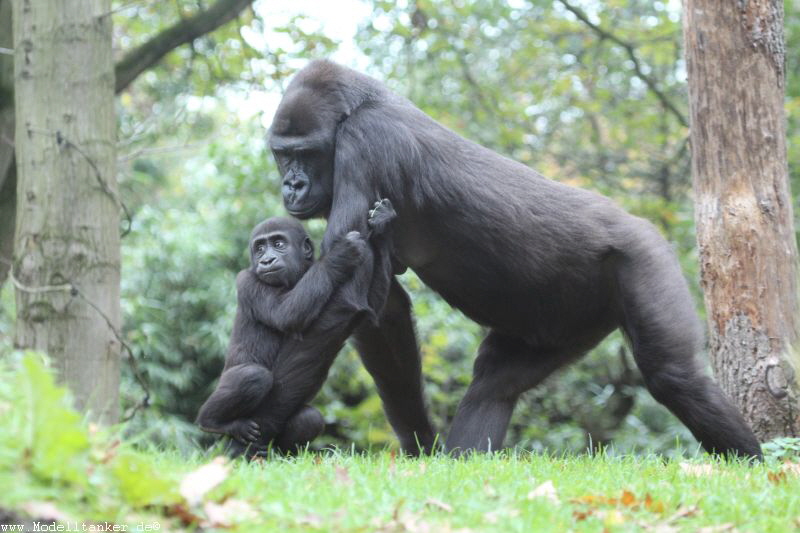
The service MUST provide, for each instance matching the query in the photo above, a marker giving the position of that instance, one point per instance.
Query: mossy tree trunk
(735, 59)
(66, 259)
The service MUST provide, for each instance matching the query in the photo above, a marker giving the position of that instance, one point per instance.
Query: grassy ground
(55, 467)
(381, 492)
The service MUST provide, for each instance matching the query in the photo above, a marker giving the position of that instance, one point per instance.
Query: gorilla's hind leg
(241, 388)
(660, 321)
(505, 368)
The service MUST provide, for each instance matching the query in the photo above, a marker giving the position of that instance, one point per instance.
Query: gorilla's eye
(260, 249)
(280, 244)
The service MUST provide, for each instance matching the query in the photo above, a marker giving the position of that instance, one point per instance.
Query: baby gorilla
(293, 317)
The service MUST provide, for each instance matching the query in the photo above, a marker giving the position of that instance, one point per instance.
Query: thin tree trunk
(129, 68)
(735, 59)
(67, 239)
(8, 178)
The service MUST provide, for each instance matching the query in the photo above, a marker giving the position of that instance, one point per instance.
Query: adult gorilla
(551, 269)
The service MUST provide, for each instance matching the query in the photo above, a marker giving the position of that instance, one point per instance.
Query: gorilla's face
(302, 140)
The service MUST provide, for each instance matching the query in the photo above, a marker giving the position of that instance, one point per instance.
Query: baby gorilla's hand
(353, 247)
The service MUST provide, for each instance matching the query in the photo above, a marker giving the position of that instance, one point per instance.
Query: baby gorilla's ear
(308, 249)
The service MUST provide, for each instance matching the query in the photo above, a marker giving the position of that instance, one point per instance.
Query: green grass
(54, 464)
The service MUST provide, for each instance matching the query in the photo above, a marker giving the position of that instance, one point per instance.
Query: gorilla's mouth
(266, 274)
(305, 212)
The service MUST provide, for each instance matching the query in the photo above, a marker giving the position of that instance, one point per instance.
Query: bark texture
(735, 59)
(66, 260)
(8, 178)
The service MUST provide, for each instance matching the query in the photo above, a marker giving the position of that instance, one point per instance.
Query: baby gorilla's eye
(260, 249)
(280, 244)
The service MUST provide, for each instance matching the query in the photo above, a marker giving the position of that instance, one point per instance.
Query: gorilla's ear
(308, 249)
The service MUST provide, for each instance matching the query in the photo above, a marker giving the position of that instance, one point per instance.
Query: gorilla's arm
(353, 199)
(296, 309)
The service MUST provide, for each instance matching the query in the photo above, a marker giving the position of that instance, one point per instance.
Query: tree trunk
(8, 177)
(735, 59)
(66, 259)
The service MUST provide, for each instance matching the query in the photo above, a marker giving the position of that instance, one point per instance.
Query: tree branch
(630, 49)
(185, 31)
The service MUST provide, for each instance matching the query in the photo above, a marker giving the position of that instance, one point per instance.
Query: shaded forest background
(589, 93)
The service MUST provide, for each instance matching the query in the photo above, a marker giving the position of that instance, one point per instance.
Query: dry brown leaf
(181, 512)
(581, 515)
(628, 499)
(791, 468)
(652, 505)
(45, 511)
(196, 484)
(225, 514)
(433, 502)
(697, 470)
(683, 512)
(545, 491)
(342, 476)
(777, 477)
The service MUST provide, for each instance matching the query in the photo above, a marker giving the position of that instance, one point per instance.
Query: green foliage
(49, 452)
(782, 448)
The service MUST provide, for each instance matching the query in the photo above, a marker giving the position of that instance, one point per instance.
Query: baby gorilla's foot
(381, 215)
(306, 425)
(244, 430)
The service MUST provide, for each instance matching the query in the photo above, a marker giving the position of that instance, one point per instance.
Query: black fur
(293, 317)
(550, 269)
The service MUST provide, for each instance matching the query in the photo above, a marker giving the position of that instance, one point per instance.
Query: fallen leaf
(627, 499)
(581, 515)
(342, 476)
(433, 502)
(45, 511)
(181, 512)
(777, 477)
(652, 505)
(683, 512)
(227, 513)
(546, 491)
(791, 468)
(612, 518)
(697, 470)
(196, 484)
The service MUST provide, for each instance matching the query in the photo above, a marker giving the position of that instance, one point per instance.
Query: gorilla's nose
(294, 187)
(296, 184)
